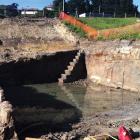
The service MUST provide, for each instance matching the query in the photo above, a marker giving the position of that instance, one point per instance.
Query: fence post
(99, 9)
(103, 14)
(114, 14)
(135, 14)
(125, 15)
(5, 12)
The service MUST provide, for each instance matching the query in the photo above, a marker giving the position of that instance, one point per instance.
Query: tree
(58, 4)
(107, 6)
(79, 5)
(111, 6)
(87, 6)
(12, 10)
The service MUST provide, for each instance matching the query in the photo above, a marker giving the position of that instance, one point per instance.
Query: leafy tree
(12, 10)
(58, 4)
(107, 6)
(111, 6)
(79, 5)
(88, 7)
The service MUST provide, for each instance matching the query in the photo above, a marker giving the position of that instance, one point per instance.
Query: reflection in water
(43, 105)
(55, 107)
(99, 98)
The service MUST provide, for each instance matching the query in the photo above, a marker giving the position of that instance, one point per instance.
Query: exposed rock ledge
(114, 63)
(32, 51)
(7, 129)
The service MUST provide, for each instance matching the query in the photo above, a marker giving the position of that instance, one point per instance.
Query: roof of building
(29, 9)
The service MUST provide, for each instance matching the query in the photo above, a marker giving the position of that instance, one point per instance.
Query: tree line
(98, 6)
(113, 7)
(9, 10)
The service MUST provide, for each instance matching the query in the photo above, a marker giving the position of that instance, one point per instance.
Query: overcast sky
(40, 3)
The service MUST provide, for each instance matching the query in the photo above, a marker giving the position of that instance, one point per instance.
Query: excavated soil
(27, 39)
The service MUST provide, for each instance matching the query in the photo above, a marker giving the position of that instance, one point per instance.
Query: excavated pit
(33, 54)
(27, 101)
(46, 69)
(29, 59)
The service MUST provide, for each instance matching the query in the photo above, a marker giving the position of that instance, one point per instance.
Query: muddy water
(42, 108)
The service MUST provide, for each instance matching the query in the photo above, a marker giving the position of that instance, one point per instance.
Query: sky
(40, 3)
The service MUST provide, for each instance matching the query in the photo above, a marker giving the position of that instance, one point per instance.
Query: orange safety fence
(91, 32)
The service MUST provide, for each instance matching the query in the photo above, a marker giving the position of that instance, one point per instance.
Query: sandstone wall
(115, 66)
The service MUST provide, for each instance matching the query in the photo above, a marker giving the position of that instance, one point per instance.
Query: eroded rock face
(115, 66)
(7, 129)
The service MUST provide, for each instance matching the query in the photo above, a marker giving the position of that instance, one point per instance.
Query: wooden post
(43, 13)
(125, 15)
(103, 14)
(5, 12)
(99, 9)
(2, 98)
(114, 14)
(135, 14)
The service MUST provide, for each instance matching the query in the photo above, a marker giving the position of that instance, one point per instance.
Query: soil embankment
(23, 39)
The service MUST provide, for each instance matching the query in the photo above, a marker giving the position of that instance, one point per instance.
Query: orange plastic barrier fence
(91, 32)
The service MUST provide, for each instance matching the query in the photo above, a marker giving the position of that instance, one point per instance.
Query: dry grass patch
(127, 32)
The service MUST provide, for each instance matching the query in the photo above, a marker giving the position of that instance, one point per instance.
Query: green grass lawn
(107, 23)
(132, 32)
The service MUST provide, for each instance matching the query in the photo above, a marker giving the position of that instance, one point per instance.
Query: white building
(29, 11)
(82, 15)
(50, 8)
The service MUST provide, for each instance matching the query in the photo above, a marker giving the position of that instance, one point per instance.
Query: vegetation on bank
(75, 29)
(110, 28)
(121, 36)
(107, 23)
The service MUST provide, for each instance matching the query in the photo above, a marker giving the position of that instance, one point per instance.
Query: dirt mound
(26, 29)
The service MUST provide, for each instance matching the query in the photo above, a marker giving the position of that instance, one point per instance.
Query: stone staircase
(70, 68)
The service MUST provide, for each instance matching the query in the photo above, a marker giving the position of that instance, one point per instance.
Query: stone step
(74, 60)
(70, 68)
(60, 81)
(77, 57)
(79, 53)
(67, 72)
(72, 63)
(64, 76)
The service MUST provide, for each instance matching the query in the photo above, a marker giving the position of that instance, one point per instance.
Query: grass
(107, 23)
(110, 28)
(127, 32)
(122, 36)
